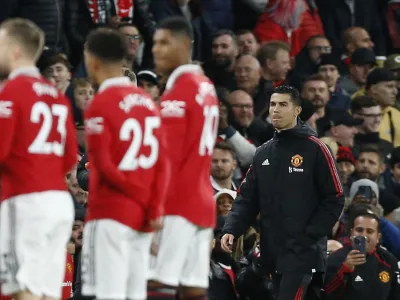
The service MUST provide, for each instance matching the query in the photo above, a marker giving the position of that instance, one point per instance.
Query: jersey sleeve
(99, 140)
(8, 121)
(71, 147)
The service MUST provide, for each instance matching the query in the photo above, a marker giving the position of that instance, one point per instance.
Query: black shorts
(298, 286)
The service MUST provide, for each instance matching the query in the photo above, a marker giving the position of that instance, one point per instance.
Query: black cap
(329, 59)
(363, 56)
(147, 75)
(394, 157)
(342, 117)
(379, 75)
(80, 214)
(307, 110)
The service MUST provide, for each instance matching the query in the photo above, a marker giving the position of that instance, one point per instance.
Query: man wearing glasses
(134, 41)
(366, 108)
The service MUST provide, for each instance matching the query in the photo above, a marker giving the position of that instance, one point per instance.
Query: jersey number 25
(141, 137)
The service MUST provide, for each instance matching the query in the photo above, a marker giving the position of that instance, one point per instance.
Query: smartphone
(360, 244)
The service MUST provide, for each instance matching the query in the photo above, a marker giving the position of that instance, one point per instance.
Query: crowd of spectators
(342, 55)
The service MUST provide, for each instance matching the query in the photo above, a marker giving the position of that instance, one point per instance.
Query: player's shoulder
(186, 79)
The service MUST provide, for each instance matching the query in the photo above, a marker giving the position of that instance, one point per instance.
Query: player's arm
(159, 191)
(8, 120)
(245, 207)
(71, 146)
(99, 145)
(330, 193)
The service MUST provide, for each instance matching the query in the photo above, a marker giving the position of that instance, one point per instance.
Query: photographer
(362, 269)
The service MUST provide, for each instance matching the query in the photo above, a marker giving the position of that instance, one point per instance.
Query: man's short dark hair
(361, 102)
(313, 77)
(269, 50)
(373, 148)
(224, 146)
(245, 31)
(177, 26)
(222, 32)
(289, 90)
(366, 213)
(107, 44)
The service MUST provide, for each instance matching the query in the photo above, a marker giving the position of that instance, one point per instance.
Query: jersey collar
(116, 81)
(25, 71)
(180, 71)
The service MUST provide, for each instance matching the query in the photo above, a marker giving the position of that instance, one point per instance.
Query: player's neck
(22, 64)
(110, 73)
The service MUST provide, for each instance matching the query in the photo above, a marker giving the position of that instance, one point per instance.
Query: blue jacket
(220, 12)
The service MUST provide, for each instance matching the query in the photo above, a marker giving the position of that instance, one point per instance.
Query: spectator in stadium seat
(247, 42)
(290, 21)
(392, 63)
(346, 166)
(248, 78)
(221, 65)
(224, 199)
(328, 68)
(366, 108)
(148, 81)
(223, 165)
(134, 40)
(353, 275)
(57, 70)
(361, 63)
(244, 120)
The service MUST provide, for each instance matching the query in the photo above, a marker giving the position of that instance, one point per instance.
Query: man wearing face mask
(362, 269)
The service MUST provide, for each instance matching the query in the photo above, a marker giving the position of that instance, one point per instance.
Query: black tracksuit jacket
(293, 183)
(377, 279)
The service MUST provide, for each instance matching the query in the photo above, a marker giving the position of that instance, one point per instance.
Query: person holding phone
(362, 269)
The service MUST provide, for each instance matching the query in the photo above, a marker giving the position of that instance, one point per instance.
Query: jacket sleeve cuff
(229, 132)
(346, 269)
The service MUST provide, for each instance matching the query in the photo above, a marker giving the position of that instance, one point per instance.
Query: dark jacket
(336, 17)
(257, 133)
(363, 139)
(222, 282)
(377, 279)
(221, 13)
(294, 185)
(47, 14)
(202, 26)
(82, 174)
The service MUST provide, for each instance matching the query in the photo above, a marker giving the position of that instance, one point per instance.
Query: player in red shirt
(37, 148)
(128, 175)
(190, 112)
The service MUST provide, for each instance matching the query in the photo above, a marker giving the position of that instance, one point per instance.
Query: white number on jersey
(131, 161)
(42, 111)
(210, 130)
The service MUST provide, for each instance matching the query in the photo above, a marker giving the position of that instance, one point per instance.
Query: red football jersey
(37, 135)
(190, 113)
(68, 278)
(128, 168)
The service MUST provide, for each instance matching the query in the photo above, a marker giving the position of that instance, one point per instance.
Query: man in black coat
(294, 185)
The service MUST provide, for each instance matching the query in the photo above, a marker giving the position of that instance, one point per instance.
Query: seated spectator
(134, 39)
(381, 86)
(366, 108)
(329, 70)
(244, 121)
(340, 127)
(83, 93)
(306, 62)
(346, 166)
(57, 70)
(361, 63)
(390, 182)
(315, 90)
(223, 165)
(220, 67)
(247, 42)
(148, 81)
(392, 63)
(349, 271)
(224, 199)
(290, 21)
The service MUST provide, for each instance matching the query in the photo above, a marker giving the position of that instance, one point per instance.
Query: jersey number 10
(210, 130)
